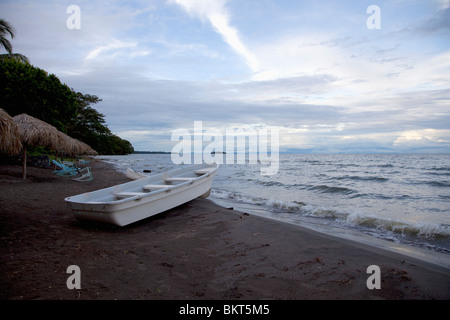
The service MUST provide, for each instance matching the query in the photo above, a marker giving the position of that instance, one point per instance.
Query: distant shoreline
(151, 152)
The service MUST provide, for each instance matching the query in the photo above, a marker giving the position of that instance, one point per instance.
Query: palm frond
(6, 44)
(5, 27)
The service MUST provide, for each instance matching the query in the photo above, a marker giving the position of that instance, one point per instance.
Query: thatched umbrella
(71, 145)
(77, 147)
(35, 132)
(9, 135)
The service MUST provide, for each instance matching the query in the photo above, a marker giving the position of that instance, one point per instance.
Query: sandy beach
(196, 251)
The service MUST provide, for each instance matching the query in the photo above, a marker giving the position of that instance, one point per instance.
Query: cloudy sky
(331, 76)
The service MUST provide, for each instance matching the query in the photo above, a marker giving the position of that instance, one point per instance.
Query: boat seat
(178, 179)
(203, 171)
(122, 195)
(155, 186)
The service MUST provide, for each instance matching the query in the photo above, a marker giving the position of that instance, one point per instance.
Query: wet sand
(196, 251)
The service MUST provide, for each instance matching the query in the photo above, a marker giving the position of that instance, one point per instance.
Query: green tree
(28, 89)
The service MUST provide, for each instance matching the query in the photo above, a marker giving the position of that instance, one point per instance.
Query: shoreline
(429, 256)
(199, 250)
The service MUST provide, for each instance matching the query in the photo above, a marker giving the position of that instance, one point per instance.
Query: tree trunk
(24, 162)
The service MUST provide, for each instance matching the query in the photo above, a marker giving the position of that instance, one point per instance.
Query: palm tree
(6, 28)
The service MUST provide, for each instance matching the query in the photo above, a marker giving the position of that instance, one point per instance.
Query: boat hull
(103, 206)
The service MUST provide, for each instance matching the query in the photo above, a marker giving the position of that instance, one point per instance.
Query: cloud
(444, 4)
(215, 12)
(112, 48)
(423, 138)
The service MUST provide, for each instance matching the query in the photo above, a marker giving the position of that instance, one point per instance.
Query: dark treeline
(27, 89)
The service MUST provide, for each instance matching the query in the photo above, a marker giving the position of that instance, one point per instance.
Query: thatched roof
(35, 132)
(9, 135)
(71, 145)
(78, 147)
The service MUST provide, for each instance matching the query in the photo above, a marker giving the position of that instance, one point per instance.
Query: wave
(271, 205)
(361, 178)
(357, 220)
(327, 189)
(321, 188)
(307, 161)
(438, 173)
(387, 165)
(434, 183)
(383, 196)
(271, 183)
(439, 169)
(444, 184)
(236, 197)
(395, 230)
(378, 227)
(345, 165)
(429, 231)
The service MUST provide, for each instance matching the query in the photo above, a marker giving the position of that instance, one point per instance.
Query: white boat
(136, 200)
(134, 175)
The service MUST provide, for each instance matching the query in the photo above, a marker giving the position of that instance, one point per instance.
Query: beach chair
(82, 163)
(59, 164)
(67, 163)
(86, 175)
(65, 171)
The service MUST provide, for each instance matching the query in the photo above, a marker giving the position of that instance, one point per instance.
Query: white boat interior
(158, 183)
(135, 200)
